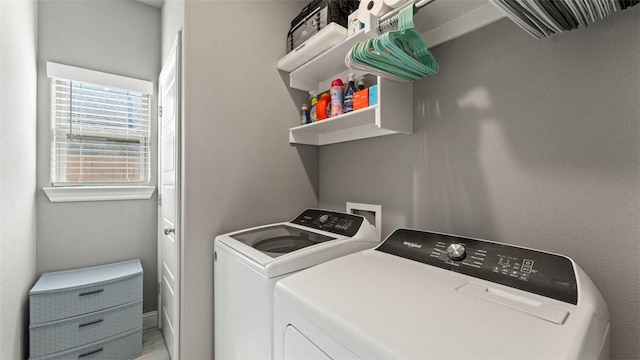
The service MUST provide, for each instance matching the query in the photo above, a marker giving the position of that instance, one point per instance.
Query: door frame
(177, 48)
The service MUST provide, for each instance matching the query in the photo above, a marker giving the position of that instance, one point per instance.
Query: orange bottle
(323, 108)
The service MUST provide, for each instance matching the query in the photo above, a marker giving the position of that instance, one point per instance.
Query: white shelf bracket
(370, 22)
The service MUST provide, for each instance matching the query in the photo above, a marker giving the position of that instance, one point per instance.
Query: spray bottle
(313, 115)
(348, 94)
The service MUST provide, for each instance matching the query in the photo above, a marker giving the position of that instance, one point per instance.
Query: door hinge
(159, 199)
(160, 111)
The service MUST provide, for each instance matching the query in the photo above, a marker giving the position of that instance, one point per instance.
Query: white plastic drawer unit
(83, 312)
(67, 334)
(123, 346)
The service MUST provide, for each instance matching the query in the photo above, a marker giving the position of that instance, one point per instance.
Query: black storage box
(317, 15)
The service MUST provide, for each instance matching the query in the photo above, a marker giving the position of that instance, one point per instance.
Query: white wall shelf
(325, 66)
(392, 115)
(337, 129)
(394, 112)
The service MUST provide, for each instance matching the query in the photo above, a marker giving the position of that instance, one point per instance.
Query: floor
(153, 346)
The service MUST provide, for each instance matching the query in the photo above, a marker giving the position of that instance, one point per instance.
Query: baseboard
(150, 320)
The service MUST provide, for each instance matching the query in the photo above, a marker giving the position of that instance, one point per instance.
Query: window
(100, 128)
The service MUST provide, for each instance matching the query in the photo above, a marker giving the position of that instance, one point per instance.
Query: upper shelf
(329, 63)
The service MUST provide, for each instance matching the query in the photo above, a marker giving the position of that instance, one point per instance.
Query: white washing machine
(422, 295)
(248, 263)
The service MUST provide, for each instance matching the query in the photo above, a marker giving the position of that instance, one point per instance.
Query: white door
(169, 201)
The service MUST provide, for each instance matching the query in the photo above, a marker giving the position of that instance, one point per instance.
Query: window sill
(98, 193)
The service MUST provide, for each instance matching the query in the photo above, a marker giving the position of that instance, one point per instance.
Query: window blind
(100, 134)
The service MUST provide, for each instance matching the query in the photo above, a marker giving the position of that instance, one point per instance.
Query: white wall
(530, 142)
(17, 171)
(119, 37)
(239, 168)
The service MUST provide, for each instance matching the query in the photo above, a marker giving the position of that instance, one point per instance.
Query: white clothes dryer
(248, 263)
(422, 295)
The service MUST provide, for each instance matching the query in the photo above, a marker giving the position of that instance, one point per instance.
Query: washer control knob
(323, 219)
(456, 252)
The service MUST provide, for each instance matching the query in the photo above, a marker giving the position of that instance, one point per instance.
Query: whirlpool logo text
(412, 245)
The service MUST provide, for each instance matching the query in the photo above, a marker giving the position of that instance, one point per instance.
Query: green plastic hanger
(401, 53)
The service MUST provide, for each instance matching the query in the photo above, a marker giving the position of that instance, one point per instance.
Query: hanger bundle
(400, 54)
(543, 18)
(391, 20)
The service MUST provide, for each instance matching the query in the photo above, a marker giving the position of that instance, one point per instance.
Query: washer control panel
(534, 271)
(335, 222)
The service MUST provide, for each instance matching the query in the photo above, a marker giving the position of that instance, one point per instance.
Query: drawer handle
(91, 292)
(90, 353)
(91, 323)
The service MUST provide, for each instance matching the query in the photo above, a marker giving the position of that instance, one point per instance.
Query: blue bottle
(348, 94)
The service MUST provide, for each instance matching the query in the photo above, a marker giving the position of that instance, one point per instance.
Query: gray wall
(529, 142)
(172, 19)
(17, 171)
(119, 37)
(239, 168)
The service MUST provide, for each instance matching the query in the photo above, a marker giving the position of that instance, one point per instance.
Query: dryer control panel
(335, 222)
(533, 271)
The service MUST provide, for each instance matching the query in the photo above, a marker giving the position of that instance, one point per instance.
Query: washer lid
(315, 236)
(277, 240)
(386, 307)
(409, 297)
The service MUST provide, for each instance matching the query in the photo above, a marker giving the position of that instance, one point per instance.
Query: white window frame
(72, 193)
